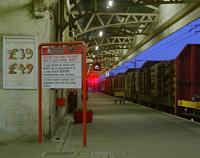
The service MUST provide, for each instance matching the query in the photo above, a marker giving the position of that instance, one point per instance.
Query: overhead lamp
(100, 33)
(97, 47)
(110, 3)
(97, 66)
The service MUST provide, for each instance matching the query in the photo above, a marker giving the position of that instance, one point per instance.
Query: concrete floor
(121, 130)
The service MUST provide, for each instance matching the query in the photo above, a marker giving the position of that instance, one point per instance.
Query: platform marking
(83, 154)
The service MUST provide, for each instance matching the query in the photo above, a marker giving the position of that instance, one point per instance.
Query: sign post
(62, 65)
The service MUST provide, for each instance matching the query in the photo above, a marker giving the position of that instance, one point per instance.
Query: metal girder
(153, 4)
(113, 47)
(131, 30)
(74, 4)
(158, 2)
(116, 32)
(110, 47)
(99, 21)
(109, 41)
(116, 52)
(68, 7)
(107, 58)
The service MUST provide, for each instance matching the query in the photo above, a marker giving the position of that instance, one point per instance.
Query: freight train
(170, 86)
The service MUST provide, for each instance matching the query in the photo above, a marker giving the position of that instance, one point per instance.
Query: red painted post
(39, 97)
(84, 98)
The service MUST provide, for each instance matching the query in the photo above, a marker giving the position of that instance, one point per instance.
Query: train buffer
(119, 96)
(190, 109)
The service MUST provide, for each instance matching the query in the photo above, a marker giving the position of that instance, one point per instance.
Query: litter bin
(72, 101)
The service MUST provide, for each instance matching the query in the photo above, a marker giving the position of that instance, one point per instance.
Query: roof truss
(120, 29)
(100, 21)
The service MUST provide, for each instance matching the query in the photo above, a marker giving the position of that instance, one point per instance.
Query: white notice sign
(62, 71)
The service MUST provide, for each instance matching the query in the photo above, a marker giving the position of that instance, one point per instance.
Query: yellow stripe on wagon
(189, 104)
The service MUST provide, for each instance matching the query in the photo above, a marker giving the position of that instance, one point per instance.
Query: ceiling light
(96, 48)
(100, 33)
(110, 3)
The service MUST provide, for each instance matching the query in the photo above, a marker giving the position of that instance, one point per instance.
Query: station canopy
(165, 50)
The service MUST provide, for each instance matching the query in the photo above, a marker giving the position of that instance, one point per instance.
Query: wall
(19, 108)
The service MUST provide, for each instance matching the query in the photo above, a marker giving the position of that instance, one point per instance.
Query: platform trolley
(119, 96)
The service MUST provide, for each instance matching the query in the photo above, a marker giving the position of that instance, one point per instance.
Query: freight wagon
(128, 88)
(162, 84)
(111, 83)
(144, 82)
(162, 88)
(107, 85)
(188, 82)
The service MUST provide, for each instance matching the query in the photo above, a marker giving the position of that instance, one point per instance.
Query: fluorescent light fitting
(100, 33)
(110, 3)
(96, 66)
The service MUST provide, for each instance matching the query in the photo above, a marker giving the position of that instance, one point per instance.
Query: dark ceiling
(120, 24)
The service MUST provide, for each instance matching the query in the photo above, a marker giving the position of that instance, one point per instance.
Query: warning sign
(62, 71)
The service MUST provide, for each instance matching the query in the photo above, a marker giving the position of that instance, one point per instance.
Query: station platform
(120, 131)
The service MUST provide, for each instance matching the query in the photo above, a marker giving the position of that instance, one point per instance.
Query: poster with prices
(19, 62)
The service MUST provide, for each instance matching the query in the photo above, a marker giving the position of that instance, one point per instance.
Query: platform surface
(133, 131)
(118, 131)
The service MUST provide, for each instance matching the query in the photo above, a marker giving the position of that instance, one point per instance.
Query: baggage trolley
(119, 96)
